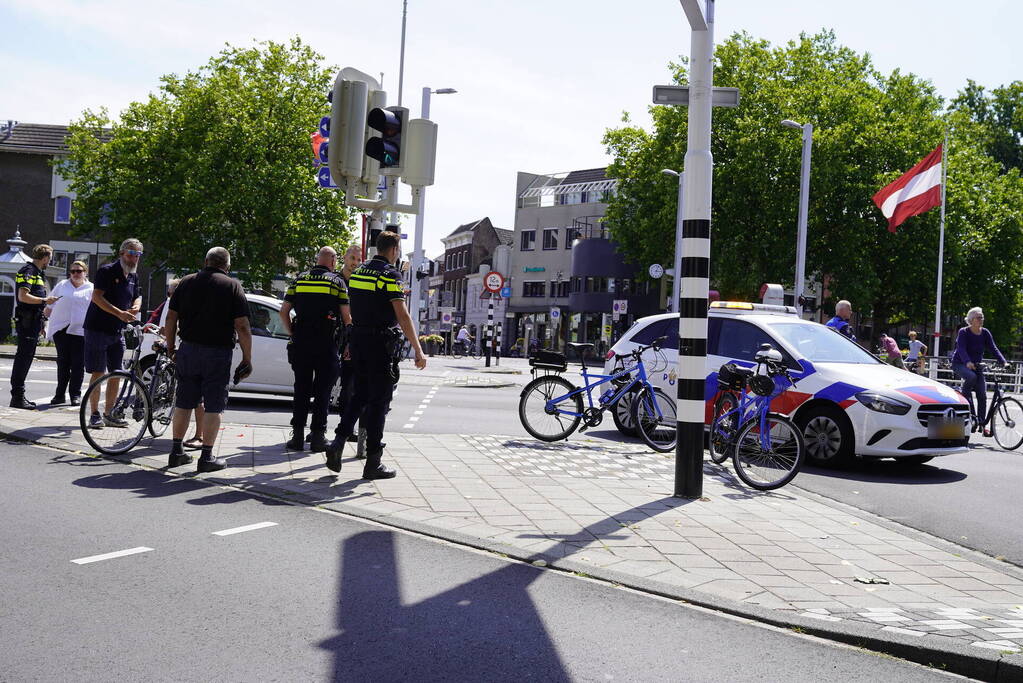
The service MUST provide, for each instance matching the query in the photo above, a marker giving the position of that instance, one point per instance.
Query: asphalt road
(308, 595)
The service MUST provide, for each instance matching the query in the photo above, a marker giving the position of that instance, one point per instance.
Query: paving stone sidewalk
(605, 509)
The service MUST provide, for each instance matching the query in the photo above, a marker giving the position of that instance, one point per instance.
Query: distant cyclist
(465, 339)
(840, 323)
(971, 343)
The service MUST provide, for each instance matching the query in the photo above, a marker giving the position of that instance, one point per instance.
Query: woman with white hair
(971, 342)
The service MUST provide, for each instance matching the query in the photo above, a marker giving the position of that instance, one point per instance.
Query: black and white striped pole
(490, 328)
(694, 283)
(497, 346)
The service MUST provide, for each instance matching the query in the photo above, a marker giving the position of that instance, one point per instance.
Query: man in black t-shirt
(208, 308)
(116, 300)
(28, 316)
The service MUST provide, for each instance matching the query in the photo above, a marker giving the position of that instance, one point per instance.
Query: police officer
(28, 320)
(378, 308)
(320, 301)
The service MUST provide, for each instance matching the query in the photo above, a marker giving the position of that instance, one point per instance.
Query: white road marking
(242, 529)
(418, 412)
(408, 426)
(110, 556)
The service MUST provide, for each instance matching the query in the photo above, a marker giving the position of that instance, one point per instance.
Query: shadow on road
(890, 472)
(153, 484)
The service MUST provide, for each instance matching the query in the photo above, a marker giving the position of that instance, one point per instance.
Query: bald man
(319, 299)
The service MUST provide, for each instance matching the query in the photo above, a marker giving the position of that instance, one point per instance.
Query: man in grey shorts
(208, 308)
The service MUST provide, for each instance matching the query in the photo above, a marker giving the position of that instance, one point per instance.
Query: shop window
(560, 289)
(536, 288)
(528, 240)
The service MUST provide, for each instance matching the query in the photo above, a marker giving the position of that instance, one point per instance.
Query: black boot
(317, 441)
(210, 464)
(177, 458)
(375, 469)
(22, 402)
(334, 452)
(297, 442)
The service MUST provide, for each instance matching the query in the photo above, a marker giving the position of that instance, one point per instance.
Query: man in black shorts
(208, 308)
(116, 300)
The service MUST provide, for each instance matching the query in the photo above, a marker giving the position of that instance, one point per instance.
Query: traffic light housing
(386, 149)
(347, 129)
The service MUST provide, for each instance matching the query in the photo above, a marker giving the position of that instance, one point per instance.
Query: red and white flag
(917, 191)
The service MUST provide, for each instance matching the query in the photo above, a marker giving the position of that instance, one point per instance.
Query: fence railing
(1012, 378)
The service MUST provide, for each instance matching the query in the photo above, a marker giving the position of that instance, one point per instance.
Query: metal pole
(941, 253)
(497, 345)
(677, 277)
(695, 283)
(417, 250)
(804, 201)
(401, 62)
(490, 328)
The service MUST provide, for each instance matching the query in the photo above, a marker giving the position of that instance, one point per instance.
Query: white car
(846, 401)
(271, 372)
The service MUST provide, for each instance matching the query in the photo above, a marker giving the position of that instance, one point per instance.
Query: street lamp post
(417, 252)
(679, 213)
(804, 200)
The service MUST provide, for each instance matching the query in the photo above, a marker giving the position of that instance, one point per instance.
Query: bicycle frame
(640, 378)
(751, 404)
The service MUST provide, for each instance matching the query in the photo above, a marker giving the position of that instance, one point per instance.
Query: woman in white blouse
(66, 316)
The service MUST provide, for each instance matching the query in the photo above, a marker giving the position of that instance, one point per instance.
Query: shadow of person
(486, 629)
(154, 484)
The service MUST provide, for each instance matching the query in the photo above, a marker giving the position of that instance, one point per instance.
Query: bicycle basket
(761, 385)
(132, 337)
(548, 360)
(731, 377)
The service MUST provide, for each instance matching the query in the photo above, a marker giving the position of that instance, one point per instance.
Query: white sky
(538, 81)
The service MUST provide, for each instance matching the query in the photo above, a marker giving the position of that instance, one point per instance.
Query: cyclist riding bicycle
(464, 338)
(971, 342)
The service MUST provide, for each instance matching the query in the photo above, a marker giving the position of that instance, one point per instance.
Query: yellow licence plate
(940, 427)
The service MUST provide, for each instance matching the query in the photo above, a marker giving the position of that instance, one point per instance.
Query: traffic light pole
(694, 283)
(417, 250)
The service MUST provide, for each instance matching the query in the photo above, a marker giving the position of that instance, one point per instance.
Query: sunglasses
(133, 252)
(77, 270)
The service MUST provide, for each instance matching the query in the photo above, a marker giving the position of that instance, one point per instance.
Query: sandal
(195, 443)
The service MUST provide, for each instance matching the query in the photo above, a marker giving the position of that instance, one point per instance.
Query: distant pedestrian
(319, 299)
(116, 300)
(917, 351)
(840, 323)
(208, 308)
(971, 343)
(30, 289)
(891, 349)
(67, 315)
(380, 318)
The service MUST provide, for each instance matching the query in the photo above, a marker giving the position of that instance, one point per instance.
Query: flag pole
(941, 255)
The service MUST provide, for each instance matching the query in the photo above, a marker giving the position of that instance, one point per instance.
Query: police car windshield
(820, 344)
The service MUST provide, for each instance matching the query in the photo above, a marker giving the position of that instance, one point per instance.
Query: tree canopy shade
(218, 157)
(869, 128)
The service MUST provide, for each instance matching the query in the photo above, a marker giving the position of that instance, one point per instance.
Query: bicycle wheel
(722, 431)
(538, 420)
(456, 350)
(1007, 423)
(162, 388)
(768, 460)
(126, 423)
(654, 417)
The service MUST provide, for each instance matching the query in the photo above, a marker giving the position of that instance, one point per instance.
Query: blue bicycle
(551, 407)
(767, 448)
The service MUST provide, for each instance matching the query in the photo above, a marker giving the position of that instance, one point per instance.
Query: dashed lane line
(113, 555)
(243, 529)
(423, 405)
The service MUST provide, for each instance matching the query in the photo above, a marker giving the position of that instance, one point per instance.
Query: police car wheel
(622, 414)
(827, 434)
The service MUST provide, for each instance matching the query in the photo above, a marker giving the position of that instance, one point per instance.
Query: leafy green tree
(220, 156)
(1001, 115)
(868, 130)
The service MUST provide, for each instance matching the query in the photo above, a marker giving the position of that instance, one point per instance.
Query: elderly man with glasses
(116, 301)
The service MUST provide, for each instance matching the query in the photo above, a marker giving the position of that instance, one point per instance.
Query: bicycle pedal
(583, 428)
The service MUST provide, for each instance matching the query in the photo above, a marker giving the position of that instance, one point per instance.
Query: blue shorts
(104, 352)
(203, 375)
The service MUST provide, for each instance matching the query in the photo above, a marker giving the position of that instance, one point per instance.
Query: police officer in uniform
(378, 308)
(28, 320)
(320, 301)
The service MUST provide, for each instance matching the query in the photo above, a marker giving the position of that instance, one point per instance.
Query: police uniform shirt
(31, 278)
(372, 288)
(315, 296)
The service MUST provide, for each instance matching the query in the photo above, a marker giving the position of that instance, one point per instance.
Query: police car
(271, 372)
(847, 402)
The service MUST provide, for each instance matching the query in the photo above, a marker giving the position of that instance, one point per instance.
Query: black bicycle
(1005, 415)
(143, 398)
(459, 349)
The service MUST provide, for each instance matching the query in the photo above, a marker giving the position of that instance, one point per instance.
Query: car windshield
(821, 344)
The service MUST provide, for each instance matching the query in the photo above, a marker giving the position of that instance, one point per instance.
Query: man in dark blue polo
(116, 300)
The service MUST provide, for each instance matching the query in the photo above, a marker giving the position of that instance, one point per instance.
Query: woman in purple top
(971, 343)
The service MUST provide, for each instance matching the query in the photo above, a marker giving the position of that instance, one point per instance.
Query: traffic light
(386, 149)
(420, 153)
(347, 128)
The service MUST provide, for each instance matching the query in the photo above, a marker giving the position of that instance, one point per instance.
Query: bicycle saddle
(580, 345)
